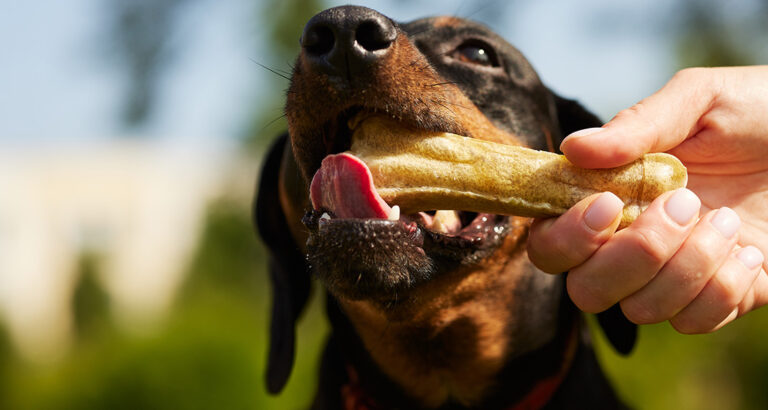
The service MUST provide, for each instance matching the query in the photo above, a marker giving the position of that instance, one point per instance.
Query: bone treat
(422, 171)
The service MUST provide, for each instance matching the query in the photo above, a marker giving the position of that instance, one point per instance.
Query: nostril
(318, 40)
(374, 35)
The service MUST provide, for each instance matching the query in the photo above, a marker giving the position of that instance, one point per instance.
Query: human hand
(698, 273)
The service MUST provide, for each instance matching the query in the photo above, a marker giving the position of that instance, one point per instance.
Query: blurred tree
(142, 47)
(228, 257)
(213, 348)
(5, 367)
(715, 33)
(141, 32)
(210, 352)
(285, 24)
(90, 303)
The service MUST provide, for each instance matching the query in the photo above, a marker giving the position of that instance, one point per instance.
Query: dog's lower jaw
(450, 341)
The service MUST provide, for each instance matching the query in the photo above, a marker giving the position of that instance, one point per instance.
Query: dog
(422, 316)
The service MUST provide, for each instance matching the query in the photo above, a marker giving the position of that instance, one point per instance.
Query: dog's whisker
(444, 106)
(445, 103)
(458, 9)
(442, 84)
(392, 302)
(287, 72)
(484, 7)
(425, 30)
(426, 66)
(384, 331)
(272, 70)
(272, 122)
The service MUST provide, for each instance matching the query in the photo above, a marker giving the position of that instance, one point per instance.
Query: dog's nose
(344, 41)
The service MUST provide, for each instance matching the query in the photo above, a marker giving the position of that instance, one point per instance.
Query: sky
(57, 87)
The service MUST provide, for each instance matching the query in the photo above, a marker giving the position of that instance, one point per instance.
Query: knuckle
(706, 82)
(727, 290)
(652, 246)
(543, 262)
(638, 111)
(643, 118)
(687, 326)
(584, 296)
(632, 112)
(640, 313)
(690, 74)
(707, 249)
(553, 253)
(565, 250)
(540, 251)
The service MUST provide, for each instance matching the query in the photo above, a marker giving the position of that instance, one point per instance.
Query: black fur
(511, 95)
(289, 273)
(523, 105)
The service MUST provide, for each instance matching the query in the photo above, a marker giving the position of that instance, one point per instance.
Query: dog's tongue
(344, 185)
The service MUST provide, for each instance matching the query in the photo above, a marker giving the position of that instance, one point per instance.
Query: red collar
(353, 397)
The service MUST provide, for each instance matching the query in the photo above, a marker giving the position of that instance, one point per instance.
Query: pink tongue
(344, 185)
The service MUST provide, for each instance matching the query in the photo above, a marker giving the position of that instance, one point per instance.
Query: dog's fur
(420, 319)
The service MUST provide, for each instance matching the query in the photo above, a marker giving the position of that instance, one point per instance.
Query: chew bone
(424, 171)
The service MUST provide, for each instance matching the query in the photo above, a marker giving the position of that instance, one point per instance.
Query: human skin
(695, 256)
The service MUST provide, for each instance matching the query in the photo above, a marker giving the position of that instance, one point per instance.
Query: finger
(757, 296)
(718, 303)
(557, 244)
(634, 255)
(685, 275)
(655, 124)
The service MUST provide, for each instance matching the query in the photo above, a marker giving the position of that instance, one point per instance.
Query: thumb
(655, 124)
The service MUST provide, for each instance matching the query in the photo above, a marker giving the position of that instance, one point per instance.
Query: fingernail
(682, 206)
(603, 211)
(584, 132)
(726, 222)
(750, 256)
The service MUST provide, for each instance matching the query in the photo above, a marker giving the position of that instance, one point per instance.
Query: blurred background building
(136, 205)
(130, 137)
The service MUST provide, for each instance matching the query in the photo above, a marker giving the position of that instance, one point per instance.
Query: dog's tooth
(394, 214)
(446, 221)
(325, 216)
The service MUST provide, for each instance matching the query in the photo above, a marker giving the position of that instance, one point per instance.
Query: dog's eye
(476, 52)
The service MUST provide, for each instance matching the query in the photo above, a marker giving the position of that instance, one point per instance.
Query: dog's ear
(287, 268)
(572, 116)
(618, 329)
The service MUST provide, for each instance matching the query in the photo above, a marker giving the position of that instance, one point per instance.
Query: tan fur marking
(293, 200)
(463, 315)
(447, 21)
(405, 86)
(453, 334)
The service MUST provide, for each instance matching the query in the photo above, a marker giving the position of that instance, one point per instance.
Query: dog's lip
(484, 231)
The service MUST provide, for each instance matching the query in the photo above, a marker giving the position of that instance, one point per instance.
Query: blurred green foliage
(141, 44)
(712, 35)
(285, 25)
(6, 356)
(210, 351)
(727, 369)
(90, 302)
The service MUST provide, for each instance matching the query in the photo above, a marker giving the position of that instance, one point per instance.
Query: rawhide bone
(422, 171)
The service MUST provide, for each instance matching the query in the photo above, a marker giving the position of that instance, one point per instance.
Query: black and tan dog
(423, 314)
